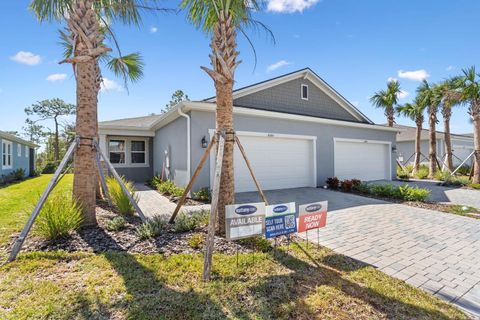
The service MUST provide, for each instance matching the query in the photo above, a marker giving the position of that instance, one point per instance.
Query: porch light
(394, 149)
(204, 142)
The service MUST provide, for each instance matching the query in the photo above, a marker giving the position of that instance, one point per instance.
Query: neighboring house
(16, 153)
(297, 131)
(462, 145)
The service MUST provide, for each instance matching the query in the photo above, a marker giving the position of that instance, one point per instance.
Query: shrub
(409, 168)
(333, 183)
(155, 182)
(50, 167)
(19, 174)
(442, 175)
(464, 170)
(408, 193)
(346, 185)
(119, 198)
(60, 215)
(196, 241)
(116, 224)
(356, 183)
(203, 195)
(382, 190)
(421, 173)
(152, 227)
(457, 181)
(474, 185)
(362, 188)
(190, 221)
(258, 243)
(170, 189)
(402, 174)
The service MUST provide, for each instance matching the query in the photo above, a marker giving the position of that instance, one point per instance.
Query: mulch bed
(99, 239)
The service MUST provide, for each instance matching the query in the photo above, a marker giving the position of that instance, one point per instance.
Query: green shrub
(474, 185)
(408, 193)
(258, 243)
(409, 168)
(170, 189)
(119, 198)
(457, 181)
(421, 173)
(402, 174)
(203, 195)
(196, 241)
(155, 182)
(50, 167)
(190, 221)
(60, 215)
(442, 175)
(333, 183)
(382, 190)
(464, 170)
(19, 174)
(116, 224)
(362, 188)
(152, 227)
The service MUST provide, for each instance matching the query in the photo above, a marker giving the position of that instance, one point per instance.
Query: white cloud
(402, 94)
(290, 6)
(390, 79)
(277, 65)
(450, 68)
(417, 75)
(27, 58)
(110, 85)
(153, 29)
(57, 77)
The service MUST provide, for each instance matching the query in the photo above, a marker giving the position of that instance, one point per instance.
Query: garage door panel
(362, 160)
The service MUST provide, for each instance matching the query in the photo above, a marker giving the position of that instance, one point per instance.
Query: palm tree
(430, 96)
(387, 100)
(415, 111)
(222, 19)
(86, 38)
(468, 85)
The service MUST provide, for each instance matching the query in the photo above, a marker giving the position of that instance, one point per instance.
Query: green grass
(464, 211)
(17, 201)
(290, 284)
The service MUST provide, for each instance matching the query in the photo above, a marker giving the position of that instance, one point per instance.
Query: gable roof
(305, 73)
(409, 134)
(11, 137)
(145, 122)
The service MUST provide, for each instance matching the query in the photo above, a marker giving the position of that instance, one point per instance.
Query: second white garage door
(279, 161)
(362, 159)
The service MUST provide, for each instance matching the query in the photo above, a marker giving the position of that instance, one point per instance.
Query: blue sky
(356, 46)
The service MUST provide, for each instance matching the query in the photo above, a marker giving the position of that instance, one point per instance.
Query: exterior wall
(461, 150)
(203, 121)
(286, 98)
(18, 162)
(172, 138)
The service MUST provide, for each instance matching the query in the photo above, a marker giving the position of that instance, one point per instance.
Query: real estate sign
(312, 216)
(244, 220)
(280, 220)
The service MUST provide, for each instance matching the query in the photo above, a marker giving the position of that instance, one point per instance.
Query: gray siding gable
(286, 98)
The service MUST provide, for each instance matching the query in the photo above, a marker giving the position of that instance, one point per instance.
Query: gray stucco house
(462, 145)
(16, 153)
(296, 129)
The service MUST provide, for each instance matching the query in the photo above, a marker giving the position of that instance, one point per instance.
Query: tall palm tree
(387, 100)
(86, 37)
(430, 96)
(222, 19)
(468, 85)
(415, 111)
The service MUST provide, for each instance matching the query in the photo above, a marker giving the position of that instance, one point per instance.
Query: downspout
(186, 116)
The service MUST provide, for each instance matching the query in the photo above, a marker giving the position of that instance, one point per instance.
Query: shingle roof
(11, 137)
(409, 134)
(142, 122)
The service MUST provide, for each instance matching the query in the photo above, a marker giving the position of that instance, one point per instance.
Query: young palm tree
(468, 85)
(415, 111)
(86, 36)
(387, 100)
(430, 96)
(222, 19)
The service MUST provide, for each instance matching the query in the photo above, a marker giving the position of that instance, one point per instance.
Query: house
(296, 130)
(462, 145)
(16, 154)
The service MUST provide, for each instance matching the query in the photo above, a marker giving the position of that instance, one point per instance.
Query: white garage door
(360, 159)
(278, 161)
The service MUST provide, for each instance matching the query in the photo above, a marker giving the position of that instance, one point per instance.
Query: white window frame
(27, 152)
(301, 91)
(128, 152)
(5, 144)
(19, 150)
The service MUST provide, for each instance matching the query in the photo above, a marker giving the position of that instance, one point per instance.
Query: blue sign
(280, 220)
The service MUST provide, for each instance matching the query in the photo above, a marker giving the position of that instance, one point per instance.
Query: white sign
(244, 220)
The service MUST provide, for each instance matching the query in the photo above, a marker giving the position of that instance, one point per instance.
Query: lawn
(290, 283)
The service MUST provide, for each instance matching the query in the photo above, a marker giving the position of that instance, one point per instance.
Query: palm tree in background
(468, 86)
(86, 22)
(415, 111)
(222, 19)
(387, 100)
(430, 96)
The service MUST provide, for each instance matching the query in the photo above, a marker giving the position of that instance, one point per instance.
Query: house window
(19, 150)
(137, 151)
(304, 93)
(6, 155)
(116, 149)
(27, 151)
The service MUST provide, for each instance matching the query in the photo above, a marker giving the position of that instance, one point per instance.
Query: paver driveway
(436, 251)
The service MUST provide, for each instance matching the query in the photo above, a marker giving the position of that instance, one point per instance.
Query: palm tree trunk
(223, 60)
(418, 135)
(432, 114)
(447, 113)
(475, 113)
(390, 116)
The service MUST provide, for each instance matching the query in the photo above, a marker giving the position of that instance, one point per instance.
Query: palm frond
(129, 67)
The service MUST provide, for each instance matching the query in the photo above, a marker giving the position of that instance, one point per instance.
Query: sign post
(312, 216)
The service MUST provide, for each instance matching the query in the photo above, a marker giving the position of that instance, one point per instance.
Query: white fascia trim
(118, 131)
(16, 139)
(466, 139)
(362, 141)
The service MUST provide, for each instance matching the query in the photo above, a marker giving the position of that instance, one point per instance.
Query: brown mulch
(99, 239)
